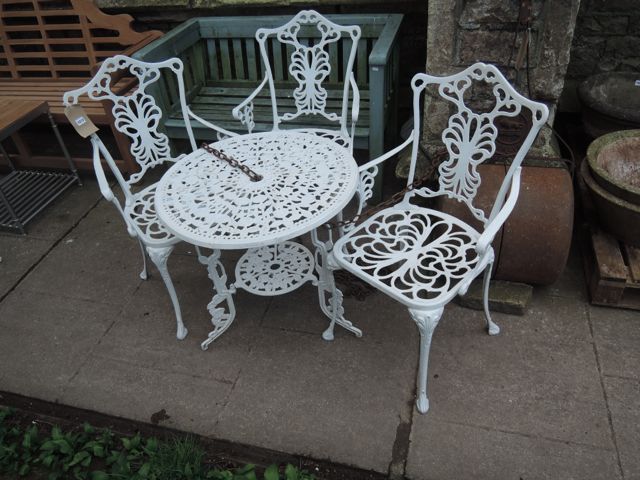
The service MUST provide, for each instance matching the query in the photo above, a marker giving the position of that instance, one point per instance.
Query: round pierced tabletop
(306, 181)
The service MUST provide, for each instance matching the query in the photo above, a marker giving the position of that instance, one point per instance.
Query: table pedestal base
(274, 270)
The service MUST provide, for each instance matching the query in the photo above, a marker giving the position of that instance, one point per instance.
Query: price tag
(80, 121)
(637, 83)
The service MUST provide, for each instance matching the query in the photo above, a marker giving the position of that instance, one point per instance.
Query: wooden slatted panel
(225, 57)
(251, 51)
(60, 38)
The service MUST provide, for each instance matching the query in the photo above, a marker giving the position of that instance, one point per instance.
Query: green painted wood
(212, 55)
(225, 57)
(198, 65)
(172, 44)
(333, 58)
(278, 60)
(361, 66)
(250, 47)
(238, 60)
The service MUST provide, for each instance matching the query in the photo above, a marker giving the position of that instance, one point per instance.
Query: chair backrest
(307, 37)
(470, 136)
(135, 112)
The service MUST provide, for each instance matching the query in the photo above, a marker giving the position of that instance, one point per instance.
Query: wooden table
(24, 193)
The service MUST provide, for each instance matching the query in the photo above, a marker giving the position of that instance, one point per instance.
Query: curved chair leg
(492, 328)
(159, 257)
(427, 320)
(143, 273)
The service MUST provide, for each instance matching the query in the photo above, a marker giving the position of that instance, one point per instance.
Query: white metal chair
(311, 39)
(422, 257)
(137, 116)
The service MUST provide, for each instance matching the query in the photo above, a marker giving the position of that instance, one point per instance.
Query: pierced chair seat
(418, 256)
(142, 212)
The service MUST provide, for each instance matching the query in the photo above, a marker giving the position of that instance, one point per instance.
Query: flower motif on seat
(421, 254)
(143, 214)
(138, 117)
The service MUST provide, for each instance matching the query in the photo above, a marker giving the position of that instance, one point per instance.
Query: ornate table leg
(221, 318)
(329, 295)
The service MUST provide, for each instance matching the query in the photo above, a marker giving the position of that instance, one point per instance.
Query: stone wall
(607, 38)
(461, 32)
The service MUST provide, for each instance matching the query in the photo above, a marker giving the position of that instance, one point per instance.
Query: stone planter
(617, 216)
(611, 102)
(614, 160)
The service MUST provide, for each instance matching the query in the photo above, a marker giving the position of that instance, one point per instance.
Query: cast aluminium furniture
(137, 116)
(48, 47)
(24, 193)
(224, 65)
(306, 180)
(421, 257)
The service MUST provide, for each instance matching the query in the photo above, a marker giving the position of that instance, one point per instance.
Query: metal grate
(28, 192)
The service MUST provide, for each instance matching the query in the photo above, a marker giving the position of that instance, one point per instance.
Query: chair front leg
(427, 320)
(492, 328)
(159, 257)
(143, 274)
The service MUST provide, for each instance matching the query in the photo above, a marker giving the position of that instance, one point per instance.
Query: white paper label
(637, 83)
(80, 121)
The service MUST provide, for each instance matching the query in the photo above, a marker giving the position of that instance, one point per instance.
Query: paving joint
(606, 397)
(48, 251)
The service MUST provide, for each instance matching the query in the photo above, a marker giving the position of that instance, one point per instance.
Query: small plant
(91, 454)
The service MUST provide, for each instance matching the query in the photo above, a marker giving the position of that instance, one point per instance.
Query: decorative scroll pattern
(275, 270)
(310, 65)
(246, 118)
(306, 181)
(419, 254)
(470, 138)
(136, 115)
(143, 214)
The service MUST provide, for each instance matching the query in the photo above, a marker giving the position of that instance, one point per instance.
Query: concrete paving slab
(445, 450)
(45, 339)
(617, 336)
(66, 211)
(571, 283)
(342, 400)
(145, 332)
(623, 396)
(128, 390)
(518, 382)
(97, 261)
(19, 254)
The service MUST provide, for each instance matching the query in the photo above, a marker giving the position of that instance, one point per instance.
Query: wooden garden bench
(223, 66)
(48, 47)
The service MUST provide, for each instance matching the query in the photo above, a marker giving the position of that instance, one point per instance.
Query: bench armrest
(244, 111)
(496, 223)
(383, 47)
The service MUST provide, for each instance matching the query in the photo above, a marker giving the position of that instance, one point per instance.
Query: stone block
(602, 25)
(610, 6)
(507, 297)
(496, 12)
(484, 46)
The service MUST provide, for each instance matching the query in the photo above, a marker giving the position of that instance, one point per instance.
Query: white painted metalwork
(137, 116)
(306, 180)
(421, 257)
(309, 66)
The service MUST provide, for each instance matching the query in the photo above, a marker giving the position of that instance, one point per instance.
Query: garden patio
(555, 395)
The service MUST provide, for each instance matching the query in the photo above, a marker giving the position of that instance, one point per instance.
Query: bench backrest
(54, 39)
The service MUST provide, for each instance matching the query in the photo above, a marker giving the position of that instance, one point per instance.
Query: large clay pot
(610, 102)
(533, 246)
(614, 160)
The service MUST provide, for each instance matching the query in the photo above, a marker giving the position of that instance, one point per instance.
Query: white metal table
(307, 180)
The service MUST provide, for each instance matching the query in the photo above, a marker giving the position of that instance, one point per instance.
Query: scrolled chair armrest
(496, 223)
(368, 173)
(208, 124)
(244, 111)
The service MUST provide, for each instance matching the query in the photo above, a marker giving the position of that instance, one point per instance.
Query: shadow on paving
(554, 396)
